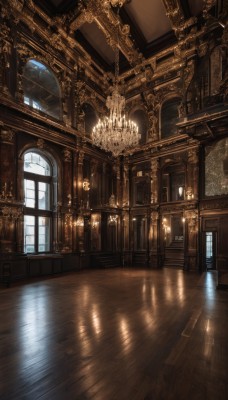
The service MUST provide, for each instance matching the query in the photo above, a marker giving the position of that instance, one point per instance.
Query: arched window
(41, 89)
(38, 191)
(169, 117)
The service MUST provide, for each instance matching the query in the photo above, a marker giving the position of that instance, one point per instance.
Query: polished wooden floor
(115, 334)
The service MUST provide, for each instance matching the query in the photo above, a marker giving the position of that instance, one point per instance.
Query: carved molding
(221, 204)
(40, 144)
(107, 21)
(175, 14)
(67, 155)
(207, 5)
(193, 156)
(7, 135)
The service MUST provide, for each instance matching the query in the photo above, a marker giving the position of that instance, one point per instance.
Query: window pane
(29, 234)
(43, 234)
(36, 164)
(29, 193)
(209, 244)
(43, 196)
(41, 88)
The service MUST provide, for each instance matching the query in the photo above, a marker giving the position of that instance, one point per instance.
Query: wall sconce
(95, 224)
(80, 221)
(69, 199)
(166, 227)
(69, 220)
(112, 219)
(86, 184)
(189, 193)
(183, 220)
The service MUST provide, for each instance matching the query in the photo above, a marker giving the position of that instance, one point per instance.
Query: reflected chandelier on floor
(115, 133)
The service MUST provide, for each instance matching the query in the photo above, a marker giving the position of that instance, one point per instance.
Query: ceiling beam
(176, 15)
(108, 21)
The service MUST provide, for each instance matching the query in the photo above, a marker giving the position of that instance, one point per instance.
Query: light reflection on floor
(109, 321)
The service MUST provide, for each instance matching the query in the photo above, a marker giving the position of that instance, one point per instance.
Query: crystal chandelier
(115, 133)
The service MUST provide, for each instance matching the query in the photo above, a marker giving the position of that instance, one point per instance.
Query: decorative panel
(216, 169)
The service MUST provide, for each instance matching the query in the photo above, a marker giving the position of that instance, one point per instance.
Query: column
(154, 180)
(67, 200)
(125, 196)
(192, 175)
(154, 240)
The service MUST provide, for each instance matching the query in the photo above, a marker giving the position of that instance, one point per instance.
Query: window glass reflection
(41, 89)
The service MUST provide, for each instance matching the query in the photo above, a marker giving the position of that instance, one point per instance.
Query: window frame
(36, 212)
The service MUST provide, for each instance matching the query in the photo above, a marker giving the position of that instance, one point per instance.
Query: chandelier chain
(117, 52)
(115, 133)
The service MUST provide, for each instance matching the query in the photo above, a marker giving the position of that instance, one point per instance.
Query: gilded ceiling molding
(107, 21)
(16, 5)
(175, 14)
(207, 5)
(25, 11)
(85, 16)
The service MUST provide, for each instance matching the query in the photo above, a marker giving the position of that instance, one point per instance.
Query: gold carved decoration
(152, 106)
(207, 5)
(106, 20)
(175, 14)
(67, 155)
(11, 213)
(40, 144)
(154, 218)
(7, 135)
(191, 216)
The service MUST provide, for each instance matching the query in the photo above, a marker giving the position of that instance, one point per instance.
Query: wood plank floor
(115, 334)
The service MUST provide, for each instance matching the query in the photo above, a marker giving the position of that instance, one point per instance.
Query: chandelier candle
(115, 133)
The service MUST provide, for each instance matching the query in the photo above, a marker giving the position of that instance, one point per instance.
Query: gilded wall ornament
(67, 154)
(40, 143)
(207, 5)
(154, 217)
(16, 5)
(7, 135)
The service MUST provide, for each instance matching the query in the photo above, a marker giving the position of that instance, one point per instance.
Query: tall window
(41, 89)
(38, 202)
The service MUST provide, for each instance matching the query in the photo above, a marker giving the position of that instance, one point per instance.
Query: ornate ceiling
(154, 25)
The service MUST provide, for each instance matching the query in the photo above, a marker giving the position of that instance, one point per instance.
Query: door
(210, 250)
